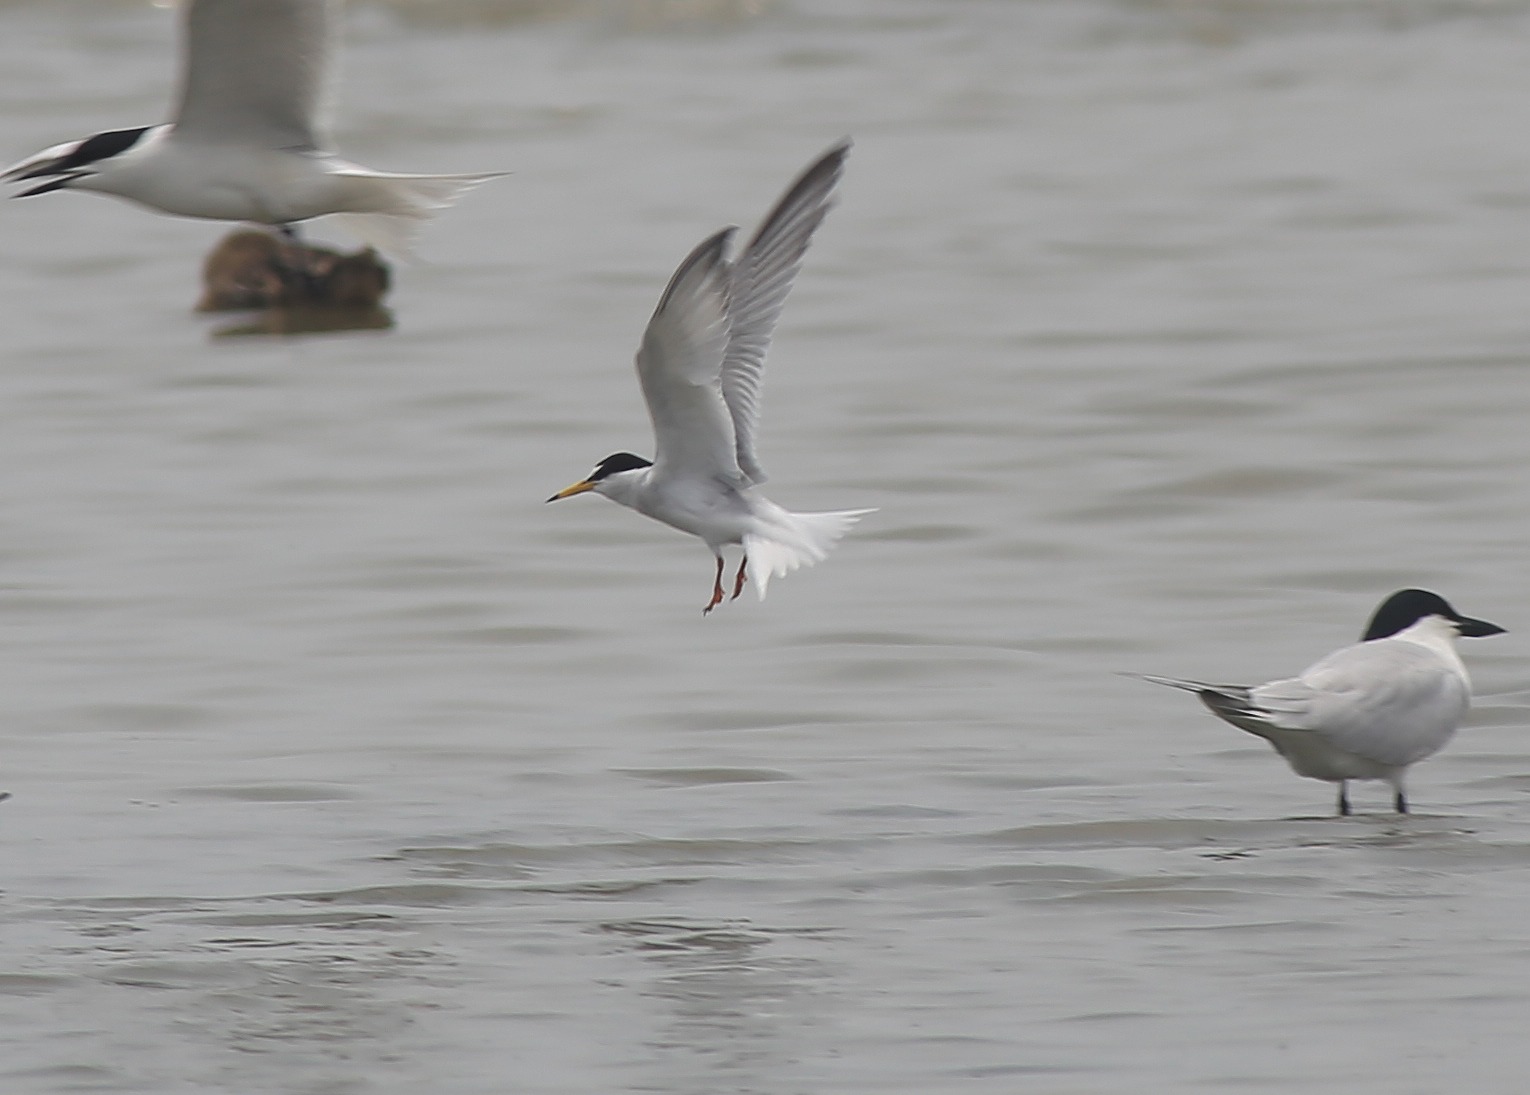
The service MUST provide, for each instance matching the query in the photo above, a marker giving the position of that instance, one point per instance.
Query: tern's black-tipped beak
(578, 488)
(1476, 629)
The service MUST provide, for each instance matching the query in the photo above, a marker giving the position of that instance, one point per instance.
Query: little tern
(1366, 711)
(245, 143)
(700, 366)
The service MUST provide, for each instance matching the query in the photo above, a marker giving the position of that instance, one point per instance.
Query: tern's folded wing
(763, 277)
(253, 71)
(1390, 701)
(679, 364)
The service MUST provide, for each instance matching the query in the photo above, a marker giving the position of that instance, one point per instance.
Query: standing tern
(245, 143)
(700, 367)
(1366, 711)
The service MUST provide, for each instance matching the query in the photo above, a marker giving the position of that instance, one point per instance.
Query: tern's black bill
(47, 187)
(1477, 629)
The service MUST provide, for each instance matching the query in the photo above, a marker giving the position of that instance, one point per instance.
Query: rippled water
(1167, 336)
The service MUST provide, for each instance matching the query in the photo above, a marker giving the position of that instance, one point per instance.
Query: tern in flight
(245, 143)
(700, 366)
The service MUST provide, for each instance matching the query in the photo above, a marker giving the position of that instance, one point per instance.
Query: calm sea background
(1168, 336)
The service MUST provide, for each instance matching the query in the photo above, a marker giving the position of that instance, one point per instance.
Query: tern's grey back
(253, 71)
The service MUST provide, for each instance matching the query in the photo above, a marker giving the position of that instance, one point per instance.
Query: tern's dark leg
(1344, 810)
(299, 264)
(1399, 800)
(738, 583)
(717, 589)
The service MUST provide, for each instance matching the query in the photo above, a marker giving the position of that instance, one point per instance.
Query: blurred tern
(700, 366)
(245, 143)
(1366, 711)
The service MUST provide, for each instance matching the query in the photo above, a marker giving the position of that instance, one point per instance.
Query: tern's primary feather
(762, 278)
(702, 360)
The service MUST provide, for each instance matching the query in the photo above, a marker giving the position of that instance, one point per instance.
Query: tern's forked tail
(390, 208)
(792, 540)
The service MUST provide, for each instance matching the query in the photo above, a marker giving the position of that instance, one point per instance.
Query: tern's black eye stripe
(102, 146)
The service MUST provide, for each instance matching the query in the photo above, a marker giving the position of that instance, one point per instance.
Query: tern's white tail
(792, 540)
(396, 205)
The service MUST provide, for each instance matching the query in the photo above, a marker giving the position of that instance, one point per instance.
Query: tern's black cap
(1407, 607)
(617, 462)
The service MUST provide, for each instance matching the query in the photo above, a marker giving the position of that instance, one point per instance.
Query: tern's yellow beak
(578, 488)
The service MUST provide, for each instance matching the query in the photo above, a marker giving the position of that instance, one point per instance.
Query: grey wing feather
(1232, 702)
(1283, 705)
(678, 365)
(1390, 701)
(762, 279)
(1235, 704)
(254, 70)
(1172, 682)
(1230, 691)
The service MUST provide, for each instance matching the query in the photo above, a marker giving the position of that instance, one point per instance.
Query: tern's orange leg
(717, 589)
(738, 583)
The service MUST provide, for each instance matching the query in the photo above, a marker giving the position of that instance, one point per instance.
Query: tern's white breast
(702, 507)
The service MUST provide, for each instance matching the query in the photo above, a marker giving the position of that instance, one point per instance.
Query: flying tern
(245, 143)
(700, 367)
(1366, 711)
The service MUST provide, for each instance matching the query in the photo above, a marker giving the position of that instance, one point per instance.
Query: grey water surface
(1168, 336)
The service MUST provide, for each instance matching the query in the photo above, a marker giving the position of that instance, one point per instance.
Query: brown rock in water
(251, 269)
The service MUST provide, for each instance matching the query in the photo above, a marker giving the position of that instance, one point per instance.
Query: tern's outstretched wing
(679, 363)
(253, 71)
(762, 278)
